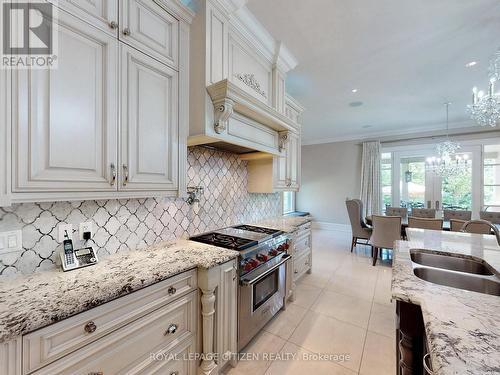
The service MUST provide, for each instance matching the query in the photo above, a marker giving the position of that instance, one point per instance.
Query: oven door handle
(265, 273)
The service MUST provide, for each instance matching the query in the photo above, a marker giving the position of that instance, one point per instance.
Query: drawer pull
(113, 25)
(174, 373)
(126, 31)
(172, 291)
(429, 371)
(295, 271)
(172, 328)
(90, 327)
(96, 373)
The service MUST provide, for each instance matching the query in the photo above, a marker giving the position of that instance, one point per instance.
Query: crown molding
(456, 127)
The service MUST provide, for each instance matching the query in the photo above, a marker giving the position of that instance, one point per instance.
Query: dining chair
(386, 230)
(429, 213)
(492, 217)
(477, 227)
(456, 225)
(360, 231)
(425, 223)
(457, 214)
(396, 211)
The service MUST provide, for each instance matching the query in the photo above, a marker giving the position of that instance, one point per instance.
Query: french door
(414, 186)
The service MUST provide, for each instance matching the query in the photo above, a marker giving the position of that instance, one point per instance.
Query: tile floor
(343, 308)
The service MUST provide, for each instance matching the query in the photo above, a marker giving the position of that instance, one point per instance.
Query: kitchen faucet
(492, 226)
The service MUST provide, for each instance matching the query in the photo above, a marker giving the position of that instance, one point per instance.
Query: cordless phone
(72, 259)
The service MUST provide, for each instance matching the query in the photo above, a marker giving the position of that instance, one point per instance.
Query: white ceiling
(406, 58)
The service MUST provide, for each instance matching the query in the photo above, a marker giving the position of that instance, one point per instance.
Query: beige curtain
(371, 194)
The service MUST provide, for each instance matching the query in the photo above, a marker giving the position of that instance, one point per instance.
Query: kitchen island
(462, 328)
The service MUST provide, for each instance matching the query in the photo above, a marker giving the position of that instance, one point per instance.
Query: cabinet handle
(113, 174)
(172, 291)
(113, 25)
(172, 328)
(90, 327)
(174, 373)
(96, 373)
(429, 371)
(125, 175)
(295, 271)
(126, 31)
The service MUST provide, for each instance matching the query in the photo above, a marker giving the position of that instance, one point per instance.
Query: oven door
(261, 296)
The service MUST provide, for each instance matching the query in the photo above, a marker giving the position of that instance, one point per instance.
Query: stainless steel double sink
(455, 271)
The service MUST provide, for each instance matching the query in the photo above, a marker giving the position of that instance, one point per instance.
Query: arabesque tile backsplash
(122, 225)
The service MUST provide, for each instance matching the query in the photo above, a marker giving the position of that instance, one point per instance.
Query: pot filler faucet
(492, 226)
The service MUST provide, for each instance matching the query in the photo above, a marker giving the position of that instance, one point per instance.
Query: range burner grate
(252, 228)
(223, 240)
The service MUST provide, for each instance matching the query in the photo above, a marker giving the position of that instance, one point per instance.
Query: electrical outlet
(11, 242)
(86, 227)
(65, 227)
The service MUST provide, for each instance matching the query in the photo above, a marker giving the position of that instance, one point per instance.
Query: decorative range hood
(237, 81)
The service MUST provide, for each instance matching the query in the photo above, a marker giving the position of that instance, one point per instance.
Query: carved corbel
(283, 141)
(223, 110)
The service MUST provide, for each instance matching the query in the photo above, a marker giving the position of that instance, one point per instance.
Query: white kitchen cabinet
(100, 13)
(301, 251)
(112, 120)
(65, 120)
(149, 123)
(147, 27)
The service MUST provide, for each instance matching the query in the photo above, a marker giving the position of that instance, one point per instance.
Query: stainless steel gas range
(262, 273)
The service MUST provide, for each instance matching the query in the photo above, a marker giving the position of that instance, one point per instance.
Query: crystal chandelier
(449, 161)
(485, 108)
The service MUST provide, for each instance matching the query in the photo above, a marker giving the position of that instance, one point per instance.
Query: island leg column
(208, 323)
(208, 281)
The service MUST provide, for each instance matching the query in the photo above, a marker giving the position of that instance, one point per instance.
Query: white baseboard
(331, 226)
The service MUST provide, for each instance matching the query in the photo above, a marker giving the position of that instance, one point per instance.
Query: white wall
(330, 173)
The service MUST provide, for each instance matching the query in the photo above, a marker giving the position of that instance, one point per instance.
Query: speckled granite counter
(462, 327)
(34, 301)
(284, 223)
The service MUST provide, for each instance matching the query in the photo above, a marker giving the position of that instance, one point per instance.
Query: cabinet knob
(90, 327)
(125, 174)
(172, 291)
(113, 174)
(113, 25)
(174, 373)
(96, 373)
(172, 328)
(126, 31)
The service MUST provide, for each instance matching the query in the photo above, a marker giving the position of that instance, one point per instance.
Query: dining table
(404, 222)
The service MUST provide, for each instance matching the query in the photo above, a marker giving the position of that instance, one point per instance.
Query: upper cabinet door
(65, 119)
(149, 28)
(100, 13)
(149, 123)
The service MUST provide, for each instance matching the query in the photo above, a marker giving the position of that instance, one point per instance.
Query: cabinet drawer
(50, 343)
(304, 229)
(137, 347)
(302, 246)
(301, 265)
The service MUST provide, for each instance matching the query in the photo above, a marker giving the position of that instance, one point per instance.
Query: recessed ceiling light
(356, 104)
(354, 90)
(470, 64)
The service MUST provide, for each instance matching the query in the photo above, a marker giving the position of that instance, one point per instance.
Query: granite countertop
(285, 223)
(462, 327)
(34, 301)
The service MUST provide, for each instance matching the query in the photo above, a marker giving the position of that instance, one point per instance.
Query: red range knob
(254, 262)
(273, 252)
(248, 266)
(286, 246)
(262, 257)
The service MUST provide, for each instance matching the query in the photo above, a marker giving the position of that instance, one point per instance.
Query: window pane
(492, 174)
(288, 202)
(457, 190)
(492, 195)
(412, 182)
(492, 154)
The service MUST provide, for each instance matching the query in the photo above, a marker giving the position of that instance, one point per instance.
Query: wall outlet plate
(65, 227)
(86, 227)
(11, 242)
